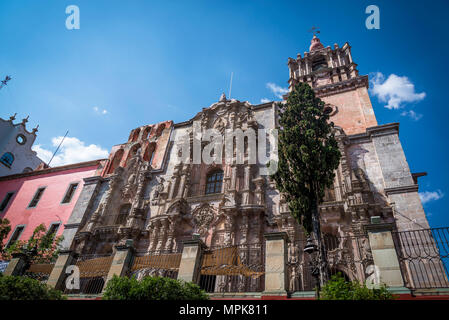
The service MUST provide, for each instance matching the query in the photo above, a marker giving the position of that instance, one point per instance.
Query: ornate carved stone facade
(145, 195)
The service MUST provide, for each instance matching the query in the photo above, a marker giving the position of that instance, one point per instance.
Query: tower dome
(315, 44)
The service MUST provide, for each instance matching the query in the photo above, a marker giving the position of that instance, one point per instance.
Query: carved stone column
(174, 179)
(228, 230)
(246, 185)
(154, 237)
(244, 250)
(162, 235)
(170, 236)
(181, 186)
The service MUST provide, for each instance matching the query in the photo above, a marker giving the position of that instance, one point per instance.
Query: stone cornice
(342, 86)
(378, 227)
(208, 197)
(276, 236)
(401, 189)
(194, 242)
(71, 225)
(252, 107)
(53, 170)
(377, 131)
(93, 180)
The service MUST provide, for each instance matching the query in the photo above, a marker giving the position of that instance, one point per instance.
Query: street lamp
(311, 249)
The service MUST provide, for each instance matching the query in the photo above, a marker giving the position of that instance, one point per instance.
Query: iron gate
(238, 268)
(350, 256)
(424, 257)
(93, 271)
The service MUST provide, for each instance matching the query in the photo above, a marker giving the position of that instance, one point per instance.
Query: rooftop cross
(314, 30)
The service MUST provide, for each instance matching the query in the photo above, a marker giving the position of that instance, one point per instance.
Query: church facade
(145, 194)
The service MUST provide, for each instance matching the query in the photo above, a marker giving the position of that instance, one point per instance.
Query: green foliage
(41, 247)
(308, 153)
(152, 288)
(5, 228)
(23, 288)
(337, 288)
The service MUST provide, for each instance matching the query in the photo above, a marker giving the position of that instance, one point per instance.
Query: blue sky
(148, 61)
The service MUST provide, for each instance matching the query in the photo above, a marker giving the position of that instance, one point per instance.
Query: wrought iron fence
(350, 256)
(162, 264)
(39, 271)
(424, 257)
(93, 269)
(238, 268)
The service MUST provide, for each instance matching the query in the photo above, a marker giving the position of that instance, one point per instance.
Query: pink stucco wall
(49, 209)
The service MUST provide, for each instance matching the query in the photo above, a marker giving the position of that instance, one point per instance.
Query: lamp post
(311, 249)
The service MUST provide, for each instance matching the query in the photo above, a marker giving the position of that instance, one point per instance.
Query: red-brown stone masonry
(160, 149)
(49, 209)
(355, 112)
(162, 145)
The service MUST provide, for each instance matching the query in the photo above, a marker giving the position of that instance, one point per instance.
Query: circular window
(330, 109)
(21, 139)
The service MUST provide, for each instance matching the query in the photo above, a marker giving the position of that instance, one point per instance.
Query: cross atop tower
(315, 31)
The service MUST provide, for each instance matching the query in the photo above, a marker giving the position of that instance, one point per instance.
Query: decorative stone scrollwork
(202, 217)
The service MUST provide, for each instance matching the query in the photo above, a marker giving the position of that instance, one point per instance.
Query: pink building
(45, 196)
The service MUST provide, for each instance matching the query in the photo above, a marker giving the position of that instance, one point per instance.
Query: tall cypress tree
(308, 156)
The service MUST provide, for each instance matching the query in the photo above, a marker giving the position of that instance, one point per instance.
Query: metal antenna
(230, 86)
(5, 82)
(48, 164)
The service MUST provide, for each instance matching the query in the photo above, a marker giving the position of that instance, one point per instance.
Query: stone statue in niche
(293, 279)
(157, 193)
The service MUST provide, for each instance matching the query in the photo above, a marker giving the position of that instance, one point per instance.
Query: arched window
(134, 135)
(319, 63)
(146, 133)
(123, 214)
(149, 152)
(331, 241)
(160, 128)
(132, 152)
(214, 182)
(7, 159)
(115, 161)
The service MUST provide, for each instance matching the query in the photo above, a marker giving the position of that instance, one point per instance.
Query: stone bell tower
(336, 80)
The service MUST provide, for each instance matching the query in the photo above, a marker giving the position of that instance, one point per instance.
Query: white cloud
(412, 114)
(99, 111)
(72, 150)
(395, 91)
(264, 100)
(428, 196)
(277, 90)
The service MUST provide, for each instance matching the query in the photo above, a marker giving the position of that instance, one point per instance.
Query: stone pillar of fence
(276, 255)
(16, 266)
(58, 274)
(384, 254)
(190, 266)
(121, 261)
